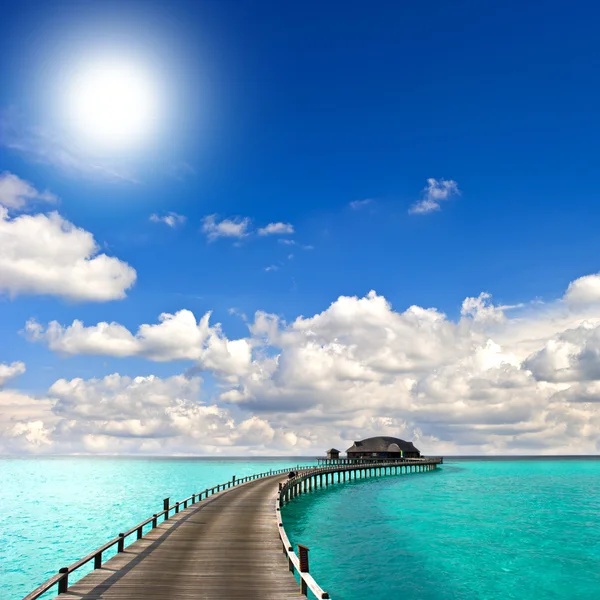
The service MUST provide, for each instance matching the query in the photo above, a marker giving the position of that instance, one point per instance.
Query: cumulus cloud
(232, 228)
(585, 290)
(146, 414)
(171, 219)
(46, 254)
(276, 229)
(10, 371)
(498, 379)
(175, 337)
(17, 194)
(436, 191)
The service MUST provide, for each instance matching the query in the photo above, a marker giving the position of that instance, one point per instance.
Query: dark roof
(381, 444)
(332, 450)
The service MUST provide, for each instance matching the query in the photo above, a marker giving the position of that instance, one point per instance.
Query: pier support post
(166, 508)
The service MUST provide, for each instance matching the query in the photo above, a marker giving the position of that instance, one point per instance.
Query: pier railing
(62, 577)
(298, 484)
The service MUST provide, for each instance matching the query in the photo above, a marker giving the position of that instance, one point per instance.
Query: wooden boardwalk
(226, 547)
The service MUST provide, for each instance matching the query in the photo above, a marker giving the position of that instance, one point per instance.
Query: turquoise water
(55, 510)
(473, 530)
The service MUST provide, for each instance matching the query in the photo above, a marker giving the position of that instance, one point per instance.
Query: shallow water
(55, 510)
(473, 530)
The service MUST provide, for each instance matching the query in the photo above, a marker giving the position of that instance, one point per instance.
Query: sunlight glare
(113, 105)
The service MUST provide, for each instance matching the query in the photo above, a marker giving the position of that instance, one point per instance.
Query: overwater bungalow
(383, 447)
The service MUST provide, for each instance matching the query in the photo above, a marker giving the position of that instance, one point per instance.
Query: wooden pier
(227, 542)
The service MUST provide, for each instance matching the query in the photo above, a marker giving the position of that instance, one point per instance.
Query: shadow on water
(359, 545)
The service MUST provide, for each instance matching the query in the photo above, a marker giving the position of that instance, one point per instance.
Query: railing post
(233, 481)
(63, 584)
(176, 507)
(98, 561)
(140, 533)
(303, 558)
(166, 508)
(154, 520)
(121, 543)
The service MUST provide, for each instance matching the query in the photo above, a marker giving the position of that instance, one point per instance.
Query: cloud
(10, 371)
(585, 290)
(45, 254)
(171, 219)
(271, 268)
(435, 192)
(233, 228)
(498, 380)
(48, 147)
(146, 414)
(277, 229)
(16, 193)
(358, 204)
(175, 337)
(286, 242)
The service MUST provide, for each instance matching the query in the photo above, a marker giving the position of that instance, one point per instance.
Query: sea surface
(55, 510)
(472, 530)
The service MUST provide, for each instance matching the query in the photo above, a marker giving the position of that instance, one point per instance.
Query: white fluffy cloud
(232, 228)
(16, 193)
(171, 219)
(585, 290)
(499, 379)
(175, 337)
(118, 414)
(276, 229)
(45, 254)
(436, 191)
(10, 371)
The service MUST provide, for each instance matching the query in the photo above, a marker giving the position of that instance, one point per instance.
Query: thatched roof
(382, 444)
(333, 450)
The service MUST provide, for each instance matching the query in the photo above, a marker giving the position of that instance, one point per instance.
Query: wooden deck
(226, 547)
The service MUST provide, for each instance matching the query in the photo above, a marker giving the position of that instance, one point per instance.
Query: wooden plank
(226, 547)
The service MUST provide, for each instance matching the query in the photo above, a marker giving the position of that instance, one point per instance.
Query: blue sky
(298, 114)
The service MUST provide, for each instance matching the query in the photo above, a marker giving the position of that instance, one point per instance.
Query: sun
(113, 105)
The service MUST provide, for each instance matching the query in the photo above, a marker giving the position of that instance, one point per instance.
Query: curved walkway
(226, 547)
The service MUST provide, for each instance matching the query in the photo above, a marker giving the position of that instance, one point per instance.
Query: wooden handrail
(62, 577)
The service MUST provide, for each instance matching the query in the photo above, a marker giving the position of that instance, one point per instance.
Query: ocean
(472, 530)
(55, 510)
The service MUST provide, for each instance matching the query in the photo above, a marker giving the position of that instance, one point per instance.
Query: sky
(232, 228)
